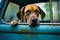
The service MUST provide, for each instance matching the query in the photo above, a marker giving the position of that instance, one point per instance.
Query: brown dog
(30, 14)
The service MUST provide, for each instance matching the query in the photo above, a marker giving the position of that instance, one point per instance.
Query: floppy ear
(42, 13)
(20, 14)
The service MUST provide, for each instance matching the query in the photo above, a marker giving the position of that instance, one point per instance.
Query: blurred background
(13, 8)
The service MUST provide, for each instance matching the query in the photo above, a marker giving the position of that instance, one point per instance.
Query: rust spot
(26, 33)
(23, 31)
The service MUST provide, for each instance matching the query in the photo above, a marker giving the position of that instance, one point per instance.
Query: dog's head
(30, 13)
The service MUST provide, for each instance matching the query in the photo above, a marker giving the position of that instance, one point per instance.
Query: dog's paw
(14, 22)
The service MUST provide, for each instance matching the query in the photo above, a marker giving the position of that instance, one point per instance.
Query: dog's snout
(34, 19)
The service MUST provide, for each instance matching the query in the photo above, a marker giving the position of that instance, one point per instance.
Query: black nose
(34, 19)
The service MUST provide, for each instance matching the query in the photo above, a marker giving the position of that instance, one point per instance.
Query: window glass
(13, 8)
(56, 11)
(11, 11)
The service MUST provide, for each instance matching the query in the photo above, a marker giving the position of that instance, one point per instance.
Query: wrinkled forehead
(31, 7)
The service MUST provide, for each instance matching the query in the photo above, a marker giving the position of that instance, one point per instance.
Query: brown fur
(31, 7)
(21, 15)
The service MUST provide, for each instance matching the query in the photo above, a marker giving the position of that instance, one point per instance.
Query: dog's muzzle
(34, 21)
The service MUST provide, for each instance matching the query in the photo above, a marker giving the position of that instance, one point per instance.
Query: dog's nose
(34, 19)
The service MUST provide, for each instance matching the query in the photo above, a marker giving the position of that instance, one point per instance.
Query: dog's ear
(20, 14)
(42, 13)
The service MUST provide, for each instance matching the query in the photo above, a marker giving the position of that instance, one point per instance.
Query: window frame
(51, 16)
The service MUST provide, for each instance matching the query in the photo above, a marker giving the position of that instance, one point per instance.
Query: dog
(29, 14)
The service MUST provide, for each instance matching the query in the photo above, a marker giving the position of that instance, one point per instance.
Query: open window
(51, 10)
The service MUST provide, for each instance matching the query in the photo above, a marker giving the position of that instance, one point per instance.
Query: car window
(13, 8)
(11, 11)
(56, 11)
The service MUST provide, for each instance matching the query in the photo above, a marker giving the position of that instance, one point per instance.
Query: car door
(44, 31)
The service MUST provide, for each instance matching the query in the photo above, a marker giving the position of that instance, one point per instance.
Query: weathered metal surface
(26, 29)
(25, 32)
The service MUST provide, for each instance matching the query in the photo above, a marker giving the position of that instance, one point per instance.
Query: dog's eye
(37, 12)
(28, 12)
